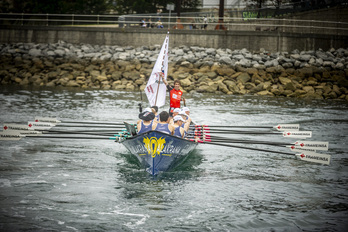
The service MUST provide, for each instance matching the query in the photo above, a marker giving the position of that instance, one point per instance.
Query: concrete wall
(252, 40)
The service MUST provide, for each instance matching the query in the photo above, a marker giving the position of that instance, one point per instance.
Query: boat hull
(158, 151)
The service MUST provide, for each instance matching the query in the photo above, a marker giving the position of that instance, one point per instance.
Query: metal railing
(186, 23)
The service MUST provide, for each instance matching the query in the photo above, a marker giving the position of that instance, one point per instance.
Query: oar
(290, 134)
(77, 133)
(46, 128)
(306, 156)
(279, 127)
(298, 145)
(16, 135)
(56, 121)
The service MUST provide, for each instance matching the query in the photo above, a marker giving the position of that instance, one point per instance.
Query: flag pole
(159, 82)
(162, 68)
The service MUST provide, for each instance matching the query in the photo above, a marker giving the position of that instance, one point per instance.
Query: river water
(95, 185)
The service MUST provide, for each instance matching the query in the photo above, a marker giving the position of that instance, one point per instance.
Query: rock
(225, 60)
(72, 83)
(101, 78)
(284, 80)
(35, 52)
(185, 82)
(243, 77)
(308, 89)
(265, 93)
(222, 87)
(232, 86)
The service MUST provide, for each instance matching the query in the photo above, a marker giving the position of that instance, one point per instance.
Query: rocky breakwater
(304, 74)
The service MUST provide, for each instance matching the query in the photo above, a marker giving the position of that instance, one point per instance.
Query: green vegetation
(93, 6)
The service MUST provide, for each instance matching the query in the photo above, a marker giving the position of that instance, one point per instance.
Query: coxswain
(163, 124)
(146, 122)
(175, 95)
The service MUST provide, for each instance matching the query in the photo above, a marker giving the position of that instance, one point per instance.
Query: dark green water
(95, 185)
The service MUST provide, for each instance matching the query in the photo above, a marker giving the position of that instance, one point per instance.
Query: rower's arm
(187, 124)
(154, 124)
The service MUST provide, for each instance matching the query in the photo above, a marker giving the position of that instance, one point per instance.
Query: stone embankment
(304, 74)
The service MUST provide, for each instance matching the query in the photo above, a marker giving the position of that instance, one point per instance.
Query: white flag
(156, 89)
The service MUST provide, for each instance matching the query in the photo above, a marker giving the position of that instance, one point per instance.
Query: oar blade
(297, 134)
(316, 145)
(12, 126)
(299, 149)
(315, 157)
(287, 127)
(46, 119)
(10, 135)
(40, 125)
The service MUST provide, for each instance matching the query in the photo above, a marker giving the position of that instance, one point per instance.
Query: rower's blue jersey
(145, 128)
(177, 132)
(163, 128)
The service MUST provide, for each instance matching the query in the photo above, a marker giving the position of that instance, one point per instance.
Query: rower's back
(163, 125)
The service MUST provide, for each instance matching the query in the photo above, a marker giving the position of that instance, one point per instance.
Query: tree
(151, 6)
(60, 6)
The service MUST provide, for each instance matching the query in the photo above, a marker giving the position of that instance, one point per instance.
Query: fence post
(47, 19)
(22, 18)
(98, 19)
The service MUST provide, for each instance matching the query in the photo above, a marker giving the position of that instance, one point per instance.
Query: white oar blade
(30, 132)
(287, 127)
(40, 125)
(300, 149)
(45, 119)
(10, 135)
(322, 146)
(298, 134)
(11, 126)
(315, 157)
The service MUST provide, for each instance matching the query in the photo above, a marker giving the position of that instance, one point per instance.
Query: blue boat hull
(158, 151)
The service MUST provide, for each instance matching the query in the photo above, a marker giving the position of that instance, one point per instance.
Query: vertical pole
(170, 12)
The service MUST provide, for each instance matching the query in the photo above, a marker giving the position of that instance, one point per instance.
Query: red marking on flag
(302, 144)
(279, 127)
(292, 147)
(36, 120)
(5, 127)
(289, 133)
(302, 155)
(30, 125)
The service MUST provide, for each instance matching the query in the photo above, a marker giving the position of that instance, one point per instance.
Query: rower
(146, 122)
(178, 130)
(154, 110)
(163, 124)
(187, 110)
(187, 120)
(175, 113)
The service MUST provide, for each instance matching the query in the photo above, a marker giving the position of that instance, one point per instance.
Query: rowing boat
(157, 151)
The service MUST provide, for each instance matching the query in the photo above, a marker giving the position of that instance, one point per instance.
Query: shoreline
(302, 74)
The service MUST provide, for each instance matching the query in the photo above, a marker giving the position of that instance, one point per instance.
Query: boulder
(284, 80)
(185, 82)
(265, 93)
(243, 77)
